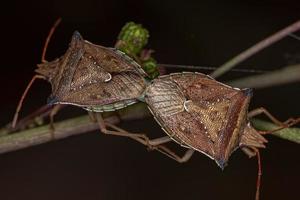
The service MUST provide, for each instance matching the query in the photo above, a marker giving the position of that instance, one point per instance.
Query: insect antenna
(15, 119)
(52, 30)
(14, 122)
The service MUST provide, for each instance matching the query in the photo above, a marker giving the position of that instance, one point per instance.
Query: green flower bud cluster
(131, 40)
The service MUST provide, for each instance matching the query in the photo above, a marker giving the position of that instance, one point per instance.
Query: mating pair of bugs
(194, 110)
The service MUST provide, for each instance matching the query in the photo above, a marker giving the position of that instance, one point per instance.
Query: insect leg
(155, 144)
(262, 110)
(253, 151)
(14, 122)
(53, 112)
(259, 174)
(181, 159)
(158, 141)
(92, 116)
(118, 131)
(282, 125)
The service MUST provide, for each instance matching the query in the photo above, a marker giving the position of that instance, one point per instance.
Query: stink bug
(205, 115)
(95, 78)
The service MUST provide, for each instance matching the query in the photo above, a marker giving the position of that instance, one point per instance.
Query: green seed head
(133, 38)
(150, 67)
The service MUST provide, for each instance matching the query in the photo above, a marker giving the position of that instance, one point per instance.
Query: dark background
(94, 166)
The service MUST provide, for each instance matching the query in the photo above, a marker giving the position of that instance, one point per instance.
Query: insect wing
(198, 112)
(89, 75)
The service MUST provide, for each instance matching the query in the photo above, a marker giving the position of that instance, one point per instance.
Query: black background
(94, 166)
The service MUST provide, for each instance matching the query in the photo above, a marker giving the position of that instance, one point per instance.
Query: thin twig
(279, 77)
(63, 129)
(80, 125)
(210, 68)
(83, 124)
(291, 134)
(256, 48)
(34, 136)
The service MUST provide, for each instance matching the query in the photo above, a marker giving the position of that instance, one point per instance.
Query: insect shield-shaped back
(93, 77)
(200, 113)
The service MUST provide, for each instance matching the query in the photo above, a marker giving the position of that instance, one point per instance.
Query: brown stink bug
(90, 76)
(205, 115)
(95, 78)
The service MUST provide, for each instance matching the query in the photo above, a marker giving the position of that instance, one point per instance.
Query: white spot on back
(185, 105)
(109, 78)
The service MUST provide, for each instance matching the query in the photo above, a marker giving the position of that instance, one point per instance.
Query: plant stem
(256, 48)
(291, 134)
(79, 125)
(83, 124)
(286, 75)
(63, 129)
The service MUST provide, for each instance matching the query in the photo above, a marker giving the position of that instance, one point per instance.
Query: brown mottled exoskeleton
(93, 77)
(205, 115)
(195, 110)
(90, 76)
(96, 78)
(202, 114)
